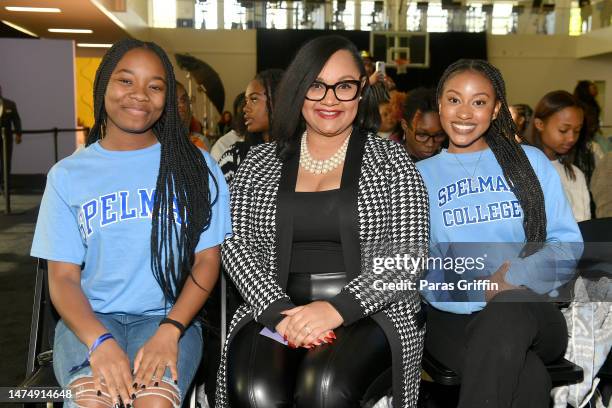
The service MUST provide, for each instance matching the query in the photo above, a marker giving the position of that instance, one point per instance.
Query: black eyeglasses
(424, 137)
(344, 91)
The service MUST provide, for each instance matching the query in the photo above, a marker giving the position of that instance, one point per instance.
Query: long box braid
(182, 181)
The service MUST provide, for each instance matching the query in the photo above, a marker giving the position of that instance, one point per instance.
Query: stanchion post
(5, 171)
(55, 132)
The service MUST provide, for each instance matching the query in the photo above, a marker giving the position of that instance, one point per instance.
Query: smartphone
(380, 67)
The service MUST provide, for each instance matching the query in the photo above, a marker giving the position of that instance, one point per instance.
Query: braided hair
(182, 182)
(515, 165)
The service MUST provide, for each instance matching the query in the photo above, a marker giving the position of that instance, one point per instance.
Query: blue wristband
(97, 343)
(93, 347)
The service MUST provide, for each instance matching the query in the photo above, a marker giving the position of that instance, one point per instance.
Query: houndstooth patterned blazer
(390, 203)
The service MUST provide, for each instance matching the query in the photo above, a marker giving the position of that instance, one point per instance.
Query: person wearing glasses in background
(308, 208)
(423, 133)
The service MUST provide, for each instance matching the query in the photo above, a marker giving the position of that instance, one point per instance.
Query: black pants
(500, 351)
(263, 373)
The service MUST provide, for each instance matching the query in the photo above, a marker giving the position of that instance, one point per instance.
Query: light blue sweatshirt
(475, 214)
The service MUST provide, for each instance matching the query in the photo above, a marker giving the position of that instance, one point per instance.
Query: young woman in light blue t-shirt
(131, 227)
(507, 239)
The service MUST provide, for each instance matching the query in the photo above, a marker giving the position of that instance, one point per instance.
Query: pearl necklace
(321, 166)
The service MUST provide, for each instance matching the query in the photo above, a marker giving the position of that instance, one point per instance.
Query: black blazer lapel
(284, 219)
(349, 193)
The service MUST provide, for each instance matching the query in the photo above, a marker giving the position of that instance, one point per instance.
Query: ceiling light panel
(70, 30)
(34, 9)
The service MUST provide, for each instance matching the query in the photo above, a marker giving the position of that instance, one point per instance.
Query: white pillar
(221, 14)
(357, 14)
(328, 14)
(290, 15)
(562, 16)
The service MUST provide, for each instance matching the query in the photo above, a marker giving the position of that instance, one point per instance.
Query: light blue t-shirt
(471, 202)
(96, 211)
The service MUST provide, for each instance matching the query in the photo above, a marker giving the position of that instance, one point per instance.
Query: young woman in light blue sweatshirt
(503, 240)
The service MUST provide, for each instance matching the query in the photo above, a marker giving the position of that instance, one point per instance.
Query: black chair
(39, 369)
(561, 372)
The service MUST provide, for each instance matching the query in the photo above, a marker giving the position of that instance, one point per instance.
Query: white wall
(39, 76)
(533, 65)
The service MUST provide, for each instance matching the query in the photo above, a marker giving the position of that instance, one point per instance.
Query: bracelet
(175, 323)
(97, 343)
(94, 346)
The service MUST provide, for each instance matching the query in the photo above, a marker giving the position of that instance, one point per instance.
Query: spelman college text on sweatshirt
(475, 215)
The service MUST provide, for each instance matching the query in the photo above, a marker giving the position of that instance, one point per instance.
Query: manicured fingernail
(135, 385)
(99, 393)
(143, 386)
(133, 396)
(332, 335)
(156, 383)
(175, 382)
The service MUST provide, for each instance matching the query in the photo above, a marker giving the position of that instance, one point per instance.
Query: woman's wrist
(172, 326)
(170, 331)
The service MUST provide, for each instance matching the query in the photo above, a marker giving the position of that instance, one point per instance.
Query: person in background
(236, 134)
(521, 115)
(590, 149)
(388, 121)
(423, 133)
(185, 113)
(381, 83)
(494, 199)
(558, 124)
(225, 124)
(11, 123)
(258, 117)
(586, 92)
(397, 106)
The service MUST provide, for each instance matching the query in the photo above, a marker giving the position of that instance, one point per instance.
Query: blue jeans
(130, 332)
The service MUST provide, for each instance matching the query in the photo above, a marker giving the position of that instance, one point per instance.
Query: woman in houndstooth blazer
(307, 234)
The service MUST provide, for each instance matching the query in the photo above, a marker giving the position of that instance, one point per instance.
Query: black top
(316, 245)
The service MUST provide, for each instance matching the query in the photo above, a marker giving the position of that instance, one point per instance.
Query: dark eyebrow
(132, 73)
(343, 78)
(479, 93)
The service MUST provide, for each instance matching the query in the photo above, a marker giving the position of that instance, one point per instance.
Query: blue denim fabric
(130, 332)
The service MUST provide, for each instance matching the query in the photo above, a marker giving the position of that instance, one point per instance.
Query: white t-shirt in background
(224, 143)
(576, 191)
